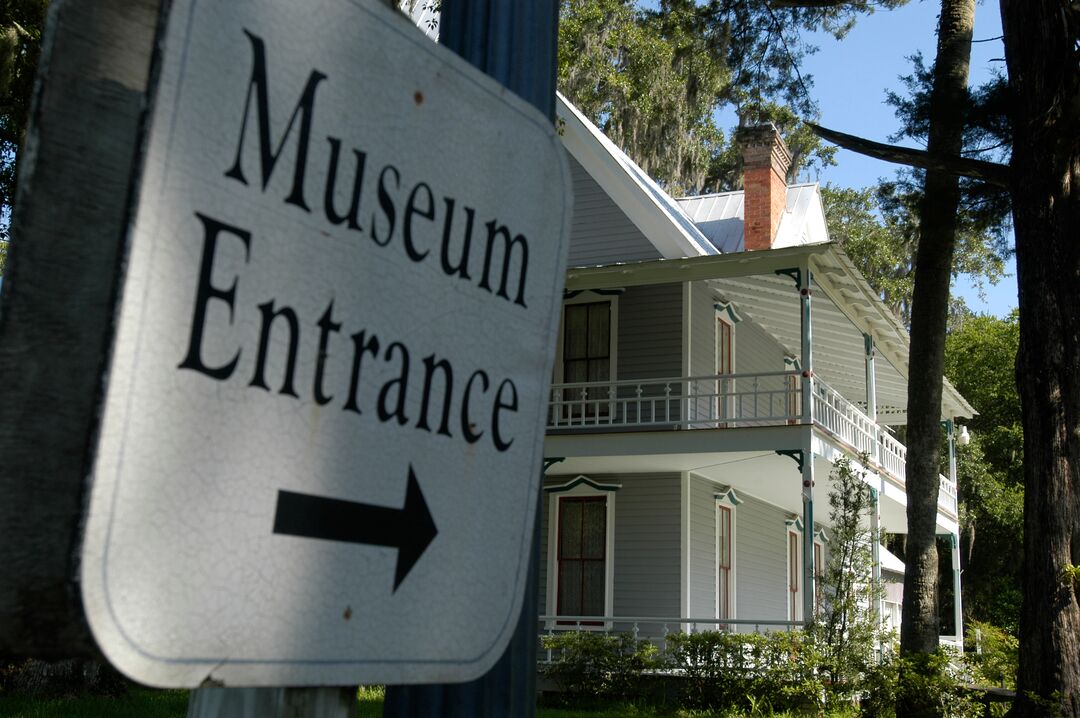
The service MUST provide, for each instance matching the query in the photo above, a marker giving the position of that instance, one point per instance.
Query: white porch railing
(694, 402)
(730, 401)
(655, 629)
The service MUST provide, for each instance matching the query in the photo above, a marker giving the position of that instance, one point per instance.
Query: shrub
(925, 685)
(743, 671)
(992, 655)
(591, 666)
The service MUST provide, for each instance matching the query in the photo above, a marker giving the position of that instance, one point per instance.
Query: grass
(150, 703)
(136, 703)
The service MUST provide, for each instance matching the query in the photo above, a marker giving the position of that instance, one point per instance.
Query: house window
(725, 561)
(581, 517)
(794, 578)
(587, 356)
(582, 555)
(819, 569)
(725, 364)
(587, 342)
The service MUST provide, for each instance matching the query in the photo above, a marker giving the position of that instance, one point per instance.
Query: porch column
(958, 613)
(808, 444)
(875, 549)
(871, 392)
(951, 435)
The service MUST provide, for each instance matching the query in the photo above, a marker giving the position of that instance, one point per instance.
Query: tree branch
(808, 3)
(990, 172)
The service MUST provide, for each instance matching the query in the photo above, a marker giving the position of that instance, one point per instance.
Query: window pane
(599, 369)
(724, 588)
(793, 562)
(592, 590)
(575, 371)
(599, 330)
(570, 588)
(575, 331)
(594, 532)
(724, 538)
(569, 529)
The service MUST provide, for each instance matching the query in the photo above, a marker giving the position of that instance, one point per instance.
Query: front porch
(736, 401)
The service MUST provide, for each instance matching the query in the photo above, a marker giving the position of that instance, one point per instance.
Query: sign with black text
(319, 456)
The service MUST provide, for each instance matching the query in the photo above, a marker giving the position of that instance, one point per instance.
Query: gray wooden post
(516, 44)
(273, 702)
(871, 394)
(805, 281)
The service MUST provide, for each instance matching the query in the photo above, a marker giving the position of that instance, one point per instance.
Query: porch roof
(851, 309)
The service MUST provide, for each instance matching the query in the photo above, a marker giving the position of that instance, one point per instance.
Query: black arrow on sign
(409, 529)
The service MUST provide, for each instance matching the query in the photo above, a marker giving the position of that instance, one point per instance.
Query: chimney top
(766, 159)
(762, 146)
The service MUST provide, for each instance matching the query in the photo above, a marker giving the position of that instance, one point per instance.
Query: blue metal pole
(516, 44)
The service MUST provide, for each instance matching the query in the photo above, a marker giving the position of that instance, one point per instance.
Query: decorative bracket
(794, 454)
(550, 461)
(794, 273)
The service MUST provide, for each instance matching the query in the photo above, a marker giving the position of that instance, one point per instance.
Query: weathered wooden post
(276, 337)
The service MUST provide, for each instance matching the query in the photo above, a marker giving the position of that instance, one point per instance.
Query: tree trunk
(1041, 53)
(929, 314)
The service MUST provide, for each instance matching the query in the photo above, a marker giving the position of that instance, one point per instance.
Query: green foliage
(653, 76)
(369, 701)
(137, 703)
(21, 22)
(922, 683)
(980, 354)
(846, 632)
(590, 666)
(878, 228)
(992, 655)
(744, 671)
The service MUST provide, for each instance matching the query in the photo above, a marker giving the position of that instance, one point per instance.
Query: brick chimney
(766, 159)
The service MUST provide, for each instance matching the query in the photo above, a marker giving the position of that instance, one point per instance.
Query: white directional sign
(320, 450)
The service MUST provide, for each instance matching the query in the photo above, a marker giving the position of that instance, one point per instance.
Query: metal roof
(642, 200)
(720, 218)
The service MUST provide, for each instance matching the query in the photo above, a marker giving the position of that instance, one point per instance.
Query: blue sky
(849, 82)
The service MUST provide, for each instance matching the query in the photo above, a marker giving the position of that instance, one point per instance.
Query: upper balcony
(732, 401)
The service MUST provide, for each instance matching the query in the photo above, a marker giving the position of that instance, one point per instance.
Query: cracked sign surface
(320, 448)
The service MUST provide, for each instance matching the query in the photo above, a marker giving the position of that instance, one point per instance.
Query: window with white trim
(587, 353)
(725, 364)
(582, 555)
(794, 576)
(819, 567)
(580, 543)
(725, 555)
(794, 571)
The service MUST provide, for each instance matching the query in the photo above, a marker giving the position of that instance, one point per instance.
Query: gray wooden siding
(600, 233)
(647, 565)
(650, 344)
(702, 330)
(650, 332)
(756, 350)
(702, 348)
(646, 560)
(760, 560)
(702, 562)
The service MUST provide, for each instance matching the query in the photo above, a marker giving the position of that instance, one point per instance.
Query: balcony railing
(732, 401)
(655, 629)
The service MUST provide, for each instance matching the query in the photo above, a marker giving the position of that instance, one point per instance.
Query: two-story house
(716, 355)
